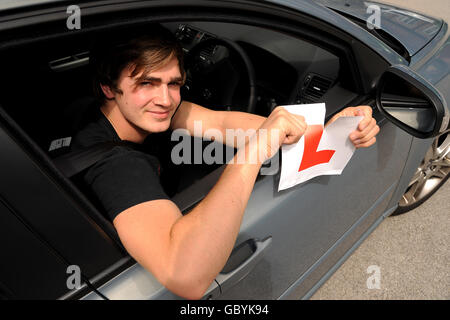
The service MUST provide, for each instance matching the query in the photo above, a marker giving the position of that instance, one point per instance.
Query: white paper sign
(326, 151)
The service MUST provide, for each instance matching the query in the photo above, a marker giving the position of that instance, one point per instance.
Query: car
(241, 55)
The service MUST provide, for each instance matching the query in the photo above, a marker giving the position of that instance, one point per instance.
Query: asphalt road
(410, 253)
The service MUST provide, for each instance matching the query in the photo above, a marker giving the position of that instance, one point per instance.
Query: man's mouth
(160, 114)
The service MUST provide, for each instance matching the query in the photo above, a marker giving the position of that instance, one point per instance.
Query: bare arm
(185, 253)
(190, 112)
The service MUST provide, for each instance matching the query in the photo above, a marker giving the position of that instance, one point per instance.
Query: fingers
(367, 113)
(300, 122)
(364, 136)
(357, 134)
(367, 144)
(350, 112)
(369, 137)
(293, 119)
(296, 129)
(290, 126)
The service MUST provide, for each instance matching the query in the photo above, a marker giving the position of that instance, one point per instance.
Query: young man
(139, 80)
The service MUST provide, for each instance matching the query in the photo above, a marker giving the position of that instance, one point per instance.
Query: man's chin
(158, 126)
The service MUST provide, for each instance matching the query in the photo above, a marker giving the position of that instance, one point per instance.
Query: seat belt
(76, 161)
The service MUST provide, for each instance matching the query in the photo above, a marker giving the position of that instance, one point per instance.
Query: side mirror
(411, 103)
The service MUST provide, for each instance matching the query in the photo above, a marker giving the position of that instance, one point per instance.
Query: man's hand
(364, 135)
(282, 127)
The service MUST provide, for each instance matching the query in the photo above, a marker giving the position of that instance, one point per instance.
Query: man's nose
(163, 96)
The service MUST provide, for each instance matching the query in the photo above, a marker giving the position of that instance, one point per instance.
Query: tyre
(432, 173)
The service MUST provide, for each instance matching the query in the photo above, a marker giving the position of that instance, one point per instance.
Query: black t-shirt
(125, 176)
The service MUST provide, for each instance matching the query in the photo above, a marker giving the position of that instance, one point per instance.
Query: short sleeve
(124, 179)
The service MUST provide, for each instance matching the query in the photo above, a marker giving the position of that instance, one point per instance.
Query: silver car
(241, 55)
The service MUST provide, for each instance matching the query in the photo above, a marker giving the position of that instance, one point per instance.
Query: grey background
(411, 250)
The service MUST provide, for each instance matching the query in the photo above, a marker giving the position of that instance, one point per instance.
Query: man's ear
(109, 94)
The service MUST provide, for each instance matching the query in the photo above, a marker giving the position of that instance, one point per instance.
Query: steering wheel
(205, 75)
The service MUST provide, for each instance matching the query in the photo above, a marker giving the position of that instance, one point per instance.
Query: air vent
(186, 34)
(209, 50)
(315, 88)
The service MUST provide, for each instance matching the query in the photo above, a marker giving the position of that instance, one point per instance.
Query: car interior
(47, 88)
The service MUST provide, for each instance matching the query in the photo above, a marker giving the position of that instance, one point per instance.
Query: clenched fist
(281, 127)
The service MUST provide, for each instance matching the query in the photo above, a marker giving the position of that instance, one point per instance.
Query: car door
(314, 226)
(53, 246)
(289, 240)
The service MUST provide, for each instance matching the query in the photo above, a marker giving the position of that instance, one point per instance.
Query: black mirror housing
(411, 103)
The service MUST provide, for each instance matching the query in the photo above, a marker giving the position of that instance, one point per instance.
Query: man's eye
(175, 84)
(148, 83)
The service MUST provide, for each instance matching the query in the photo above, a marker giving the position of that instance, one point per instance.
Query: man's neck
(124, 129)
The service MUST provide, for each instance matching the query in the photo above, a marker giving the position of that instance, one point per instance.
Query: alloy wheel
(433, 171)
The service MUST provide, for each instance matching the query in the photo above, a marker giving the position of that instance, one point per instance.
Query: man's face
(150, 103)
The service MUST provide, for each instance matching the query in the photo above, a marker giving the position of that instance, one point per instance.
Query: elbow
(187, 288)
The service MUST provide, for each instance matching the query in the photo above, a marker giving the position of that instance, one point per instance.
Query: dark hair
(145, 49)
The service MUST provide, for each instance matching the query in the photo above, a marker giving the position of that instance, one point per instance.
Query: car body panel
(135, 283)
(434, 67)
(321, 246)
(436, 70)
(318, 273)
(413, 30)
(306, 7)
(314, 9)
(424, 28)
(51, 217)
(16, 4)
(306, 232)
(305, 227)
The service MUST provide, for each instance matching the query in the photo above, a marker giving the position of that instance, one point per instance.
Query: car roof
(14, 4)
(411, 29)
(310, 7)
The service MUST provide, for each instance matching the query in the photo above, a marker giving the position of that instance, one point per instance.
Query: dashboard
(287, 69)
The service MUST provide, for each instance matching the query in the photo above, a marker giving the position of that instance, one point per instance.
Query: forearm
(202, 240)
(242, 120)
(236, 120)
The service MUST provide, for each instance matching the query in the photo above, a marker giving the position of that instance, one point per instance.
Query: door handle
(242, 260)
(70, 62)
